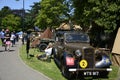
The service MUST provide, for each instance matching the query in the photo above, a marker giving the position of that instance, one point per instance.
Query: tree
(4, 11)
(70, 8)
(11, 22)
(31, 14)
(51, 13)
(104, 13)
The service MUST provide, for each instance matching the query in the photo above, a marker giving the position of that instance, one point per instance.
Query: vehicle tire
(65, 72)
(42, 47)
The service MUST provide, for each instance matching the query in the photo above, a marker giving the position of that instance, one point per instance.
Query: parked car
(76, 58)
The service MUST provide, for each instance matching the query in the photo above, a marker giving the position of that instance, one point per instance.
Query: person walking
(2, 36)
(7, 40)
(12, 38)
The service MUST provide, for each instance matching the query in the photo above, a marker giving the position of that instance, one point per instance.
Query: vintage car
(76, 58)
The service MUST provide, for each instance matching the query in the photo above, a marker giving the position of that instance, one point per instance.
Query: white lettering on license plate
(88, 73)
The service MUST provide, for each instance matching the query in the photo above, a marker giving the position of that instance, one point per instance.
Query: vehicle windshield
(76, 37)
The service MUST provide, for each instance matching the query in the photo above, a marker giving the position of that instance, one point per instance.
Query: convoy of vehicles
(75, 57)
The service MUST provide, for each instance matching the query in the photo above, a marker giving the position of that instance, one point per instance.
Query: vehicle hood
(76, 45)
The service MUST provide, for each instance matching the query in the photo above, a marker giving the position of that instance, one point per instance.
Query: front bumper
(90, 69)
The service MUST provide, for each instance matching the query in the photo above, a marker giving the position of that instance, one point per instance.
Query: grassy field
(47, 68)
(50, 69)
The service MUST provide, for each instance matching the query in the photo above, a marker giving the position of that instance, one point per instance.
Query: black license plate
(91, 73)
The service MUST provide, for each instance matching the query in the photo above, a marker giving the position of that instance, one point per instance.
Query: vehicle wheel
(42, 46)
(65, 72)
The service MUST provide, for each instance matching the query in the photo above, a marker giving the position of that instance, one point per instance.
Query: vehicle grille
(89, 56)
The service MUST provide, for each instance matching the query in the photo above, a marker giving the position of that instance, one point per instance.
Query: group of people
(7, 38)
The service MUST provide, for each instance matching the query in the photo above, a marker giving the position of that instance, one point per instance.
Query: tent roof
(46, 34)
(116, 46)
(66, 26)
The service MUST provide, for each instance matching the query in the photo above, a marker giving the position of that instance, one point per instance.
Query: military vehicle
(76, 58)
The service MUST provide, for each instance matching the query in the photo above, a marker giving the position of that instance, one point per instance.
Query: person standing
(12, 38)
(2, 36)
(28, 42)
(7, 38)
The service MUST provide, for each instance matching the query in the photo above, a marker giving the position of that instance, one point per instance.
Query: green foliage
(11, 22)
(47, 68)
(31, 14)
(51, 13)
(4, 11)
(104, 13)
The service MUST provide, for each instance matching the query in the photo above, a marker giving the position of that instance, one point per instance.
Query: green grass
(50, 69)
(0, 42)
(47, 68)
(113, 74)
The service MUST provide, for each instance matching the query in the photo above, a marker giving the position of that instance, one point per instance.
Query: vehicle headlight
(78, 53)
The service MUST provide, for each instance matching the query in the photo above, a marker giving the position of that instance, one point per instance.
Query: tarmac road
(13, 68)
